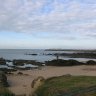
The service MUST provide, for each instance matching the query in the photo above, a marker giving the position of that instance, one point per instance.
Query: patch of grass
(68, 86)
(5, 92)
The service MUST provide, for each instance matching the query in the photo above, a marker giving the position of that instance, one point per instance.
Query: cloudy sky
(48, 24)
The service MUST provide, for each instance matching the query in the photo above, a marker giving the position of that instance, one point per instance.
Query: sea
(11, 54)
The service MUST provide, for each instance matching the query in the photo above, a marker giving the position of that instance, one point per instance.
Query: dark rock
(21, 62)
(38, 80)
(5, 70)
(20, 73)
(61, 62)
(91, 62)
(32, 54)
(2, 61)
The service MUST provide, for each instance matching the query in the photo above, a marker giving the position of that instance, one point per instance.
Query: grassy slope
(3, 85)
(5, 92)
(68, 86)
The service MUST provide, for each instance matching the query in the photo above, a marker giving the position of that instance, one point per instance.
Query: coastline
(21, 84)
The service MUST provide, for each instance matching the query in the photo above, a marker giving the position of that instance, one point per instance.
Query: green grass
(68, 86)
(5, 92)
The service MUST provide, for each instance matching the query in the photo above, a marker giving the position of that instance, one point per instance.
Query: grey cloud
(23, 16)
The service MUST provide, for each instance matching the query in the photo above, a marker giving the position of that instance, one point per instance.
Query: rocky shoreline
(8, 66)
(91, 55)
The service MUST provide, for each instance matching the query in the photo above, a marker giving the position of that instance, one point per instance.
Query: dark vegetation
(3, 80)
(3, 84)
(5, 92)
(68, 86)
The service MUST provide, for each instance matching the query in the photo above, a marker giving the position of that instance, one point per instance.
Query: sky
(63, 24)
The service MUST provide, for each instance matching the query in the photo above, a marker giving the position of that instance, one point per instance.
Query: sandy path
(21, 84)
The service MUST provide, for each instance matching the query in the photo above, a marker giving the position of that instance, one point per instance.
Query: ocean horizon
(11, 54)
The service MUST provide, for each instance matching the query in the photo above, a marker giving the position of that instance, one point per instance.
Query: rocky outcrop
(91, 62)
(37, 82)
(61, 62)
(32, 54)
(2, 61)
(22, 62)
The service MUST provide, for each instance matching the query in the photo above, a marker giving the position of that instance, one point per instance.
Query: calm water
(11, 54)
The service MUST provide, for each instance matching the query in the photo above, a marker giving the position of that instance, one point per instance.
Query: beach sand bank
(21, 84)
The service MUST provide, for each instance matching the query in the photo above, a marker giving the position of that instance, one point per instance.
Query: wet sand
(21, 84)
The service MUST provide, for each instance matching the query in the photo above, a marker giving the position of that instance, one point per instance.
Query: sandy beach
(21, 84)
